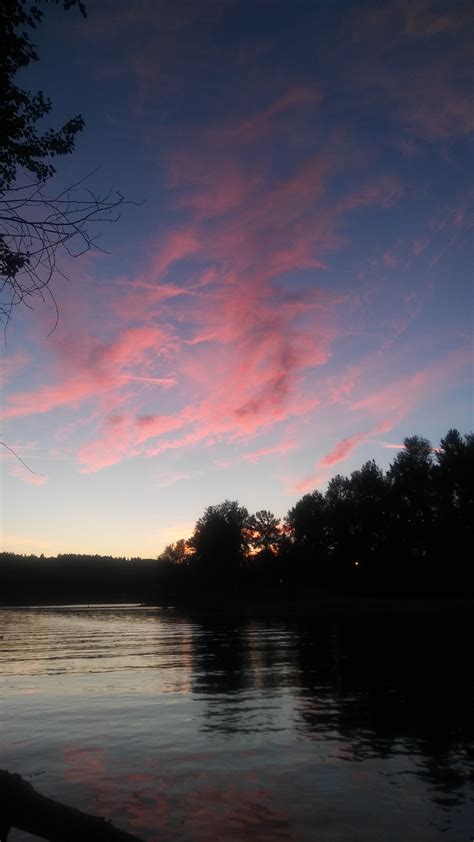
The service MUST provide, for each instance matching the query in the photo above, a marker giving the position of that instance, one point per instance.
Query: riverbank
(314, 606)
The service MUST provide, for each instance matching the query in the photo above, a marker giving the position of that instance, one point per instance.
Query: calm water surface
(184, 728)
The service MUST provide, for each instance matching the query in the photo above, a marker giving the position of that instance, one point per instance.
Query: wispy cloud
(388, 445)
(387, 406)
(31, 478)
(172, 479)
(92, 369)
(341, 451)
(283, 446)
(245, 308)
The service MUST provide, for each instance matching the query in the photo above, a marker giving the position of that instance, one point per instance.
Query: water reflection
(185, 727)
(184, 804)
(241, 671)
(393, 681)
(371, 689)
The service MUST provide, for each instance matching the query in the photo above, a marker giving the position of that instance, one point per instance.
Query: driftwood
(25, 809)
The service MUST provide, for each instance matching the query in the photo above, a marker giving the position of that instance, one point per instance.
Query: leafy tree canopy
(22, 143)
(34, 222)
(219, 539)
(264, 532)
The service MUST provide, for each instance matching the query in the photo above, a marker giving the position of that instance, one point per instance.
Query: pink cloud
(339, 453)
(10, 366)
(339, 389)
(382, 192)
(390, 404)
(98, 369)
(310, 483)
(342, 450)
(68, 392)
(389, 259)
(296, 97)
(211, 187)
(388, 445)
(252, 129)
(430, 100)
(264, 344)
(440, 111)
(172, 479)
(113, 445)
(239, 345)
(221, 348)
(121, 437)
(31, 478)
(179, 245)
(284, 446)
(397, 399)
(419, 245)
(142, 299)
(423, 22)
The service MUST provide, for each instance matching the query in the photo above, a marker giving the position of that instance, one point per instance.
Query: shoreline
(311, 607)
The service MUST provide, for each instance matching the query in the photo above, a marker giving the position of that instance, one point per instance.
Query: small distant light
(356, 563)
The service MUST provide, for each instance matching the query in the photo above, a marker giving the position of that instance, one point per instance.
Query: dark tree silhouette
(37, 222)
(454, 483)
(264, 545)
(341, 529)
(173, 572)
(177, 553)
(368, 491)
(264, 532)
(306, 524)
(406, 532)
(413, 509)
(455, 458)
(220, 543)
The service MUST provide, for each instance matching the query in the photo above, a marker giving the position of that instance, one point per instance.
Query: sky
(292, 294)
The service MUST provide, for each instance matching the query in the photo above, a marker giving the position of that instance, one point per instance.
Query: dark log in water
(25, 809)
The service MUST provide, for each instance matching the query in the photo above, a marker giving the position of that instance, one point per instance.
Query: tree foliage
(408, 531)
(220, 542)
(36, 221)
(264, 532)
(177, 553)
(22, 144)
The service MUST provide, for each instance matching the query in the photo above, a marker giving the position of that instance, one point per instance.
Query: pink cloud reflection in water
(177, 804)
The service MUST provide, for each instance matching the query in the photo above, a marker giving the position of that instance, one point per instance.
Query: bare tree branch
(37, 226)
(15, 454)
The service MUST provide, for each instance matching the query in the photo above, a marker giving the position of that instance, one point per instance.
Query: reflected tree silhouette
(387, 688)
(220, 658)
(217, 714)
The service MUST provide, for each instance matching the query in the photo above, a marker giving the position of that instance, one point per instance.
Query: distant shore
(312, 607)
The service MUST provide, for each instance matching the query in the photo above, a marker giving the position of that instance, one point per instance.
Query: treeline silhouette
(404, 532)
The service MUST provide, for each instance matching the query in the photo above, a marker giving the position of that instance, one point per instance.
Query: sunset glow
(292, 295)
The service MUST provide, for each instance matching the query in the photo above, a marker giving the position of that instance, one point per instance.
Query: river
(180, 727)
